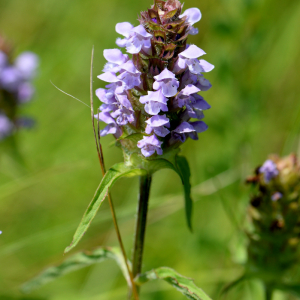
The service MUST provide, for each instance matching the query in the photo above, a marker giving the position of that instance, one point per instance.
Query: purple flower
(124, 29)
(10, 78)
(190, 129)
(119, 106)
(269, 169)
(136, 38)
(184, 97)
(115, 58)
(130, 76)
(158, 124)
(6, 126)
(195, 107)
(197, 80)
(25, 92)
(167, 82)
(111, 128)
(193, 15)
(27, 64)
(188, 58)
(150, 144)
(276, 196)
(154, 102)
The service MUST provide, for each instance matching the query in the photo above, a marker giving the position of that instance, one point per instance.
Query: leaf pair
(80, 260)
(76, 262)
(136, 167)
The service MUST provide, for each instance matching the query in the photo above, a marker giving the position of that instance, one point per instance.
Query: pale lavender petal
(184, 127)
(206, 66)
(153, 108)
(165, 74)
(193, 15)
(194, 66)
(121, 42)
(108, 77)
(157, 85)
(203, 84)
(140, 30)
(199, 126)
(6, 126)
(192, 52)
(148, 151)
(130, 80)
(10, 78)
(134, 45)
(154, 96)
(194, 113)
(179, 65)
(101, 94)
(111, 67)
(110, 129)
(189, 90)
(193, 30)
(130, 67)
(169, 89)
(105, 117)
(25, 92)
(115, 56)
(27, 64)
(123, 99)
(157, 121)
(200, 103)
(124, 28)
(149, 145)
(161, 131)
(269, 169)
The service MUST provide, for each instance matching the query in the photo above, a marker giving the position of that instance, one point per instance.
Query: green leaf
(290, 288)
(233, 284)
(114, 173)
(76, 262)
(185, 174)
(183, 284)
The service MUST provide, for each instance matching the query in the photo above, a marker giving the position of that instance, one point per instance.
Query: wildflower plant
(15, 87)
(151, 106)
(274, 213)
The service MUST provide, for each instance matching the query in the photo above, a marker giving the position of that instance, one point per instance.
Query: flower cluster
(275, 215)
(15, 87)
(155, 94)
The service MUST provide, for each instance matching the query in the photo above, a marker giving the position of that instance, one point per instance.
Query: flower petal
(193, 15)
(124, 28)
(114, 56)
(192, 52)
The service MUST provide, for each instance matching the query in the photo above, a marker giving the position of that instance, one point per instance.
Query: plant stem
(140, 229)
(269, 293)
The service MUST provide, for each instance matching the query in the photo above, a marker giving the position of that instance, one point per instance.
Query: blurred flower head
(15, 86)
(275, 216)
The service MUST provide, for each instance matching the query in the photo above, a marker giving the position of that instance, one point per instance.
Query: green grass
(254, 45)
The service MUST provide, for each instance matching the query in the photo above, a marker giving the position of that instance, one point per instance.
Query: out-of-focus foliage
(46, 186)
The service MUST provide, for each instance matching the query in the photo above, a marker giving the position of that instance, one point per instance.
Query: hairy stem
(140, 229)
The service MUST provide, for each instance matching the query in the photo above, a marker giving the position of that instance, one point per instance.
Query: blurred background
(46, 184)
